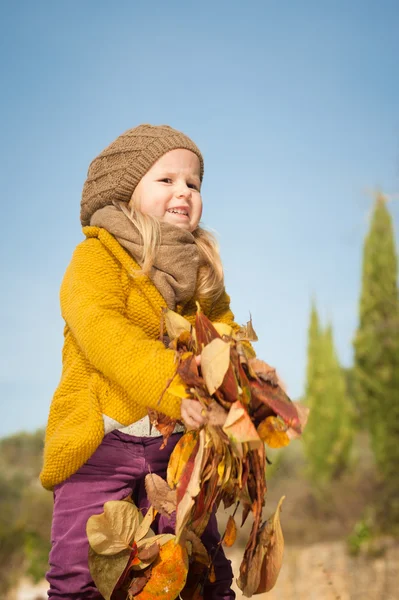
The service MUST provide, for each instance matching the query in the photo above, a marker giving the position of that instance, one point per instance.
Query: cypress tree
(328, 434)
(312, 354)
(377, 344)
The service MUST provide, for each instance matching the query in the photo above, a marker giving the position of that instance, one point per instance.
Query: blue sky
(295, 108)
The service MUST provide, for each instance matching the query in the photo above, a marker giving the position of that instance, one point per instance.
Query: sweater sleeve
(93, 303)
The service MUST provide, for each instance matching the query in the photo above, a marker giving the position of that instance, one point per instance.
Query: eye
(166, 180)
(193, 186)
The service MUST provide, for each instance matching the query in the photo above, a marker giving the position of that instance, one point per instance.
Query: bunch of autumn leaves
(224, 461)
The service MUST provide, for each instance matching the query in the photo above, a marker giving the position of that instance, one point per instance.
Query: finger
(197, 413)
(195, 419)
(190, 423)
(189, 416)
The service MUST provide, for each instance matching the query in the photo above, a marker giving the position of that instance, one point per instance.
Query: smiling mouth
(178, 211)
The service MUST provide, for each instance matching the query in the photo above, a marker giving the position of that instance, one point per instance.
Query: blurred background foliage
(25, 510)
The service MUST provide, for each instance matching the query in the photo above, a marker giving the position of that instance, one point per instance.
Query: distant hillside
(25, 510)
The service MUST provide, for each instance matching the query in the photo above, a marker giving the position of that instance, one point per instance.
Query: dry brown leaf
(276, 399)
(163, 423)
(145, 524)
(303, 414)
(198, 552)
(239, 427)
(147, 544)
(204, 329)
(149, 553)
(261, 575)
(274, 553)
(138, 582)
(162, 498)
(107, 570)
(264, 371)
(114, 529)
(247, 332)
(215, 360)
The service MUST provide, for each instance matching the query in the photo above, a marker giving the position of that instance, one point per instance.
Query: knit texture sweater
(113, 361)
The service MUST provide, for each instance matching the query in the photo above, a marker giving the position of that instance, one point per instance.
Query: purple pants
(116, 469)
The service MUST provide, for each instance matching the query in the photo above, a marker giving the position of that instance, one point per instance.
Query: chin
(185, 226)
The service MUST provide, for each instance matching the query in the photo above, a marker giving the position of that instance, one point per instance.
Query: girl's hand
(191, 413)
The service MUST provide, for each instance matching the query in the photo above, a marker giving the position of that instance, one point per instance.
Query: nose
(183, 191)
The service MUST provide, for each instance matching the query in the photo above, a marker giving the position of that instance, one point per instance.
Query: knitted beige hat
(115, 173)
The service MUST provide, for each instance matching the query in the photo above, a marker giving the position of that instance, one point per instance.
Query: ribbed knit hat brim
(116, 171)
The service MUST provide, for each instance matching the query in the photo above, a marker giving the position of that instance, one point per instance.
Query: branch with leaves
(222, 462)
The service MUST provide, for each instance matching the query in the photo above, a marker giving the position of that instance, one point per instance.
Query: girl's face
(170, 190)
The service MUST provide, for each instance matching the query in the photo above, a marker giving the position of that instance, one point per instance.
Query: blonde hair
(210, 282)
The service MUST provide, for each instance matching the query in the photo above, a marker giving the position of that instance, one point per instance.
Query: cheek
(199, 207)
(152, 204)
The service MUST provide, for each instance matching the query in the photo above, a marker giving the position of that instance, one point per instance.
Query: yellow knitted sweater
(113, 361)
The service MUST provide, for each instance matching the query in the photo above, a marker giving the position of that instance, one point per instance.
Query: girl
(144, 250)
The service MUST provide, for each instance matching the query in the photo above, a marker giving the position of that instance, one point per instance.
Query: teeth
(177, 211)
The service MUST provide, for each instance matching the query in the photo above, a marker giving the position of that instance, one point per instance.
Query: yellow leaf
(273, 432)
(221, 468)
(192, 490)
(178, 388)
(175, 323)
(215, 360)
(228, 466)
(179, 457)
(223, 329)
(114, 529)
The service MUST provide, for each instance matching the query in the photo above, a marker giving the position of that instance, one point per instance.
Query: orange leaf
(274, 432)
(168, 575)
(231, 532)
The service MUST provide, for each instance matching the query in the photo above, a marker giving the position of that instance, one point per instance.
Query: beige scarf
(175, 268)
